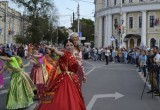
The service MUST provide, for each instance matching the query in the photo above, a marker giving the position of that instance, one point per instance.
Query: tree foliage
(40, 19)
(87, 29)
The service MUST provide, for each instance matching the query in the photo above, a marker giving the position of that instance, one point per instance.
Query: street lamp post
(78, 16)
(73, 18)
(121, 23)
(5, 22)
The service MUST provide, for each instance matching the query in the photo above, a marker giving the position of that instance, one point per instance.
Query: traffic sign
(82, 38)
(112, 38)
(80, 34)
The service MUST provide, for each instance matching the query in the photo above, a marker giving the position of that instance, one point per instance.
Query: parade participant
(78, 55)
(1, 77)
(65, 91)
(20, 93)
(107, 52)
(38, 74)
(26, 51)
(50, 64)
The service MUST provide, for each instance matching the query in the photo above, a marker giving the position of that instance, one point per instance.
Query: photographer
(151, 71)
(156, 66)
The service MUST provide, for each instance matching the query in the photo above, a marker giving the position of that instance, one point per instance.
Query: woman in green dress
(20, 93)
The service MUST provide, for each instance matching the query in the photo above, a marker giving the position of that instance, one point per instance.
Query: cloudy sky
(66, 8)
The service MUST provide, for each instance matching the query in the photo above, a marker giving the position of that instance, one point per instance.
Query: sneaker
(156, 93)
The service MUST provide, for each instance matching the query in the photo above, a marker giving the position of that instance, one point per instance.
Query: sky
(65, 14)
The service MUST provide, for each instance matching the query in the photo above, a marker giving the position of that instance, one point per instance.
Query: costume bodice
(68, 62)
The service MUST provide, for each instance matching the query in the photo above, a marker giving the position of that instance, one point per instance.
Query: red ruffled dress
(65, 92)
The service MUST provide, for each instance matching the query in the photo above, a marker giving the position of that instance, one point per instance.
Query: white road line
(116, 68)
(7, 78)
(3, 91)
(91, 69)
(116, 95)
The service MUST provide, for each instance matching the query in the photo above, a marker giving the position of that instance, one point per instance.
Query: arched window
(152, 42)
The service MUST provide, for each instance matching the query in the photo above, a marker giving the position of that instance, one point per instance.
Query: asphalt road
(109, 87)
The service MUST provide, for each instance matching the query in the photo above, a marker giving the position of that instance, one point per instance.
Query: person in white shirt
(107, 53)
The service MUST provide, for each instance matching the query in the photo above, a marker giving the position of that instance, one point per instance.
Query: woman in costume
(50, 64)
(78, 55)
(65, 91)
(20, 93)
(1, 76)
(37, 74)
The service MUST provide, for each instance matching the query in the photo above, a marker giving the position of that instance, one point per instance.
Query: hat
(73, 34)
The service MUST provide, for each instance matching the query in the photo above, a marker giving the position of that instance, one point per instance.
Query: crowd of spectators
(147, 61)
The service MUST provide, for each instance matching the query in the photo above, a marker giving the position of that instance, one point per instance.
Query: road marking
(33, 106)
(10, 77)
(116, 68)
(7, 78)
(97, 96)
(91, 69)
(3, 91)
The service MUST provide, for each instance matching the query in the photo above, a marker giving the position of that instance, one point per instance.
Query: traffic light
(9, 31)
(119, 29)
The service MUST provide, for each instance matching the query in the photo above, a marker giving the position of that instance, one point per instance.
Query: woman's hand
(84, 79)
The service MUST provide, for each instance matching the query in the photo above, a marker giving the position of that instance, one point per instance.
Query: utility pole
(5, 21)
(121, 19)
(73, 22)
(78, 18)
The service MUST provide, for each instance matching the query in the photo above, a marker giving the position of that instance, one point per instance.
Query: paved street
(109, 87)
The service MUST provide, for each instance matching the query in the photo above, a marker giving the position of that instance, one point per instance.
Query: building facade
(127, 23)
(11, 23)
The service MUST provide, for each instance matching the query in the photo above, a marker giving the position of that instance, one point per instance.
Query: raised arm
(2, 71)
(5, 58)
(59, 53)
(26, 64)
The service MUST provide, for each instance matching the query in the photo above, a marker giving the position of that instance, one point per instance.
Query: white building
(138, 20)
(11, 23)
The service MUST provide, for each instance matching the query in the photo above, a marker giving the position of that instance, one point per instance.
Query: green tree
(87, 29)
(41, 19)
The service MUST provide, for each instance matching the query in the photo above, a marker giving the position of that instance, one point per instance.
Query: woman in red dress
(65, 92)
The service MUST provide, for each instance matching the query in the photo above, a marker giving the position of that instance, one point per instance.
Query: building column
(109, 29)
(143, 35)
(106, 32)
(123, 29)
(96, 32)
(100, 33)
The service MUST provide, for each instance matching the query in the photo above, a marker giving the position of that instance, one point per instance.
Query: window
(140, 21)
(130, 22)
(141, 0)
(115, 2)
(122, 1)
(130, 1)
(115, 23)
(152, 21)
(107, 3)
